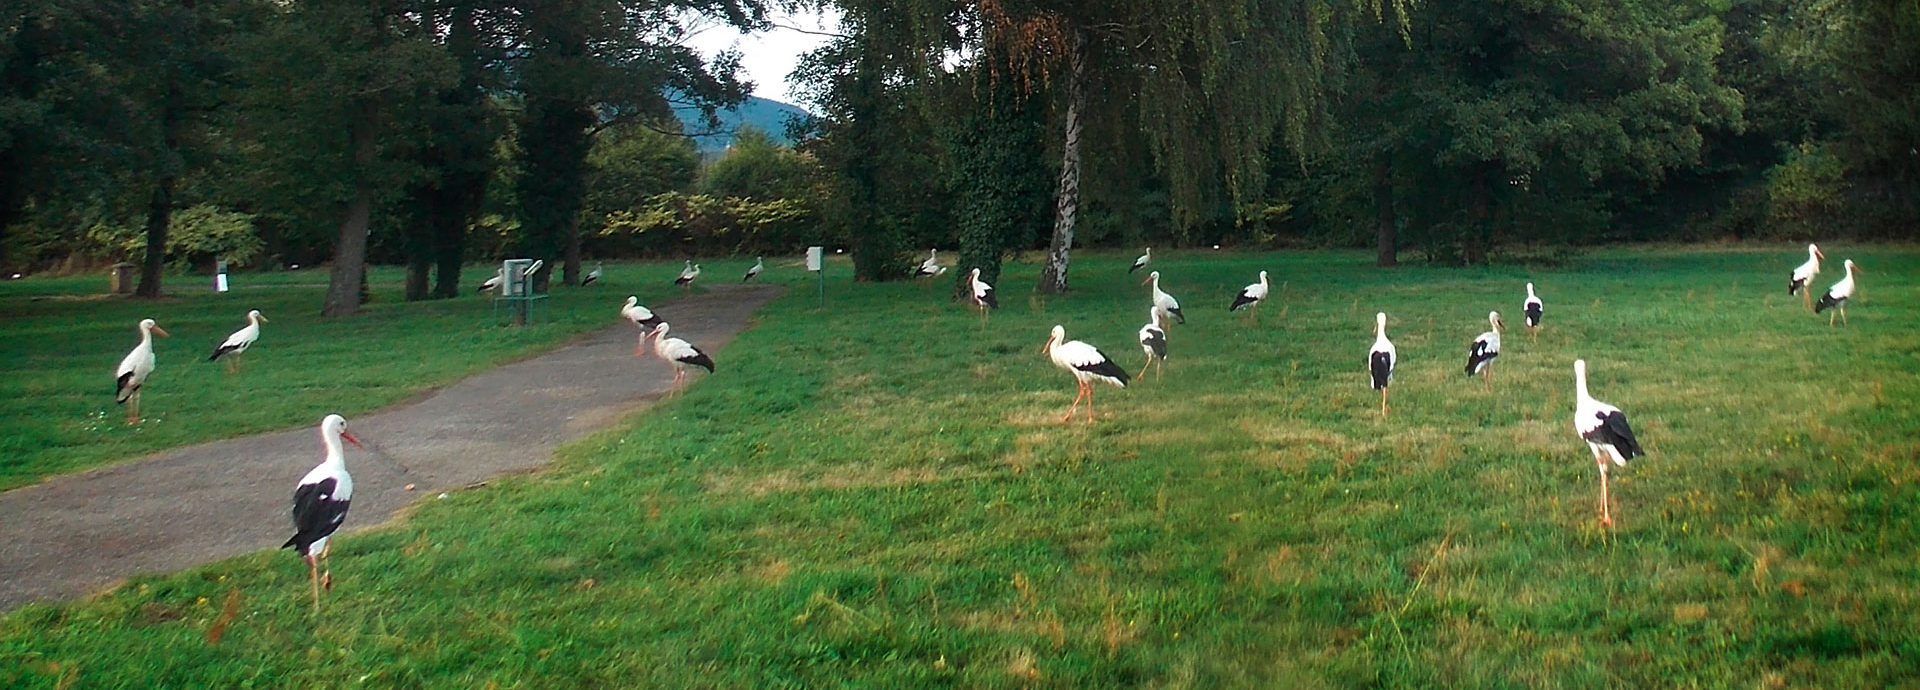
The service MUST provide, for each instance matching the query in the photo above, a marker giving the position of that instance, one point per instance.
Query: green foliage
(197, 236)
(756, 168)
(682, 224)
(1003, 187)
(880, 495)
(1805, 191)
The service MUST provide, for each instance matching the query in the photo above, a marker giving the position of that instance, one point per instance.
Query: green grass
(62, 339)
(881, 495)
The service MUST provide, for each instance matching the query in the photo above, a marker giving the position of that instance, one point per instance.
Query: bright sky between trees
(768, 57)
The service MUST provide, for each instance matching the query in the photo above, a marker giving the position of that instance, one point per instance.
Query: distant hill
(764, 114)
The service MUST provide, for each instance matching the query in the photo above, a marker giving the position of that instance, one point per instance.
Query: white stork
(759, 264)
(1801, 280)
(641, 317)
(1143, 260)
(593, 276)
(238, 343)
(499, 277)
(687, 275)
(1087, 365)
(1533, 308)
(931, 267)
(982, 295)
(1605, 430)
(1164, 300)
(680, 353)
(1485, 348)
(320, 503)
(1153, 340)
(134, 369)
(1837, 296)
(1381, 358)
(1250, 297)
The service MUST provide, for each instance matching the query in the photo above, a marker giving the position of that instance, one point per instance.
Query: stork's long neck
(146, 337)
(1580, 381)
(336, 454)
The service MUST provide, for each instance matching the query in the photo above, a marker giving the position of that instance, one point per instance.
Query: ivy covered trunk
(1053, 277)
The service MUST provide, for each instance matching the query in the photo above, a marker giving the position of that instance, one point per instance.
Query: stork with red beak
(320, 503)
(134, 370)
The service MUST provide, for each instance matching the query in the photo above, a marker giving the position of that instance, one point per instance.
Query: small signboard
(814, 256)
(220, 275)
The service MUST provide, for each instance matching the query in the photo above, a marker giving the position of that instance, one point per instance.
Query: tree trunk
(1053, 277)
(419, 266)
(1473, 247)
(159, 216)
(571, 274)
(1384, 228)
(344, 284)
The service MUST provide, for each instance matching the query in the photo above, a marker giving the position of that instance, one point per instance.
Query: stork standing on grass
(679, 353)
(238, 343)
(593, 276)
(1801, 280)
(982, 295)
(1381, 358)
(1605, 430)
(1485, 348)
(1087, 365)
(1250, 297)
(687, 275)
(134, 370)
(1837, 296)
(931, 267)
(1164, 300)
(1533, 309)
(641, 317)
(320, 503)
(759, 264)
(1142, 261)
(1153, 340)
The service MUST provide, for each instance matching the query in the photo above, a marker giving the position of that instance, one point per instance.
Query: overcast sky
(768, 57)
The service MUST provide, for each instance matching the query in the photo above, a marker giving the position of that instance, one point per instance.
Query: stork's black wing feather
(1478, 357)
(1613, 431)
(1156, 340)
(990, 300)
(1243, 300)
(1106, 367)
(1382, 367)
(1827, 301)
(121, 389)
(1533, 313)
(316, 514)
(699, 359)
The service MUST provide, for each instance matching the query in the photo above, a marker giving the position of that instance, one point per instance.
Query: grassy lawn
(61, 339)
(881, 495)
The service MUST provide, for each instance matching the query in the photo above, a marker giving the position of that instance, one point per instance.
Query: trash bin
(122, 279)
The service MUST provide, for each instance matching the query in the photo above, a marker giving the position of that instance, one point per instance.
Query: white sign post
(220, 275)
(815, 263)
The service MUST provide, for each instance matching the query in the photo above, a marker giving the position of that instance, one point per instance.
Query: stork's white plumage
(236, 344)
(1533, 308)
(1485, 348)
(134, 369)
(679, 353)
(759, 264)
(1802, 277)
(1604, 428)
(1837, 296)
(1142, 261)
(1251, 296)
(688, 274)
(640, 317)
(320, 502)
(931, 267)
(593, 276)
(1164, 300)
(982, 295)
(1381, 358)
(499, 277)
(1153, 340)
(1086, 363)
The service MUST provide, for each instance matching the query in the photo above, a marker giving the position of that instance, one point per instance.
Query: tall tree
(591, 63)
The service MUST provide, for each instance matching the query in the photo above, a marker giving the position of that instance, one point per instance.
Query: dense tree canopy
(177, 132)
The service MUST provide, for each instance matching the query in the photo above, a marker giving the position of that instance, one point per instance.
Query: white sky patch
(768, 57)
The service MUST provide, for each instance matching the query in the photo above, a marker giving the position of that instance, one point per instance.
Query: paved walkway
(82, 533)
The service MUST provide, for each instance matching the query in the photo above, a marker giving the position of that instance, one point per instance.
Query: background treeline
(435, 132)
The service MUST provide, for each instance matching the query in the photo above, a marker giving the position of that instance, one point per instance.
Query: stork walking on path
(498, 421)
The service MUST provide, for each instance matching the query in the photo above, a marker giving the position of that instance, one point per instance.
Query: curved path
(81, 533)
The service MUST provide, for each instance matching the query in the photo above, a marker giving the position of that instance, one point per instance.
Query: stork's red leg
(1606, 511)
